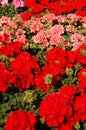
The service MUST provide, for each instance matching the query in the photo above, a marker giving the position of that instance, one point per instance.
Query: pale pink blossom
(76, 37)
(41, 38)
(17, 16)
(67, 43)
(69, 28)
(73, 17)
(4, 2)
(20, 32)
(12, 24)
(8, 30)
(5, 28)
(84, 25)
(48, 17)
(61, 19)
(54, 40)
(4, 20)
(36, 26)
(77, 45)
(57, 30)
(26, 24)
(18, 3)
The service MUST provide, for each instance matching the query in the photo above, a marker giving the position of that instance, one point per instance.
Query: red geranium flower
(70, 91)
(5, 78)
(24, 68)
(26, 15)
(80, 107)
(56, 109)
(20, 120)
(11, 49)
(49, 77)
(82, 80)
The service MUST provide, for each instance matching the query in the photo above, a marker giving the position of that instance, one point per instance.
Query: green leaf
(42, 120)
(48, 79)
(77, 126)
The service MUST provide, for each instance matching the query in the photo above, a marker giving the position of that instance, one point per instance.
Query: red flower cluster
(80, 107)
(20, 120)
(55, 67)
(77, 56)
(26, 15)
(53, 70)
(70, 91)
(57, 111)
(4, 38)
(63, 6)
(63, 109)
(11, 49)
(24, 68)
(82, 79)
(5, 78)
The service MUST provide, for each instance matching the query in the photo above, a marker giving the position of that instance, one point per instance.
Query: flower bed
(43, 68)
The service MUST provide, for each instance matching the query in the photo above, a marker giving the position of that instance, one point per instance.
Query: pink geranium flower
(4, 2)
(36, 26)
(69, 28)
(48, 17)
(54, 40)
(18, 3)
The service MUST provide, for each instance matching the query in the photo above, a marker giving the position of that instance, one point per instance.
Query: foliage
(9, 11)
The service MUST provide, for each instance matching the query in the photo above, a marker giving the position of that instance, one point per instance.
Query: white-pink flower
(41, 38)
(12, 24)
(73, 17)
(36, 26)
(69, 28)
(4, 20)
(84, 25)
(61, 19)
(4, 2)
(20, 32)
(57, 30)
(18, 3)
(76, 37)
(55, 39)
(48, 17)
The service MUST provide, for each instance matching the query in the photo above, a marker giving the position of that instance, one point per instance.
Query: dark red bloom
(70, 91)
(49, 77)
(24, 68)
(30, 3)
(11, 49)
(5, 78)
(57, 55)
(80, 107)
(26, 15)
(56, 109)
(37, 8)
(20, 120)
(82, 80)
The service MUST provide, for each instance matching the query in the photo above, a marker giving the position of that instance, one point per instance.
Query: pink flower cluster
(18, 3)
(4, 2)
(52, 30)
(10, 31)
